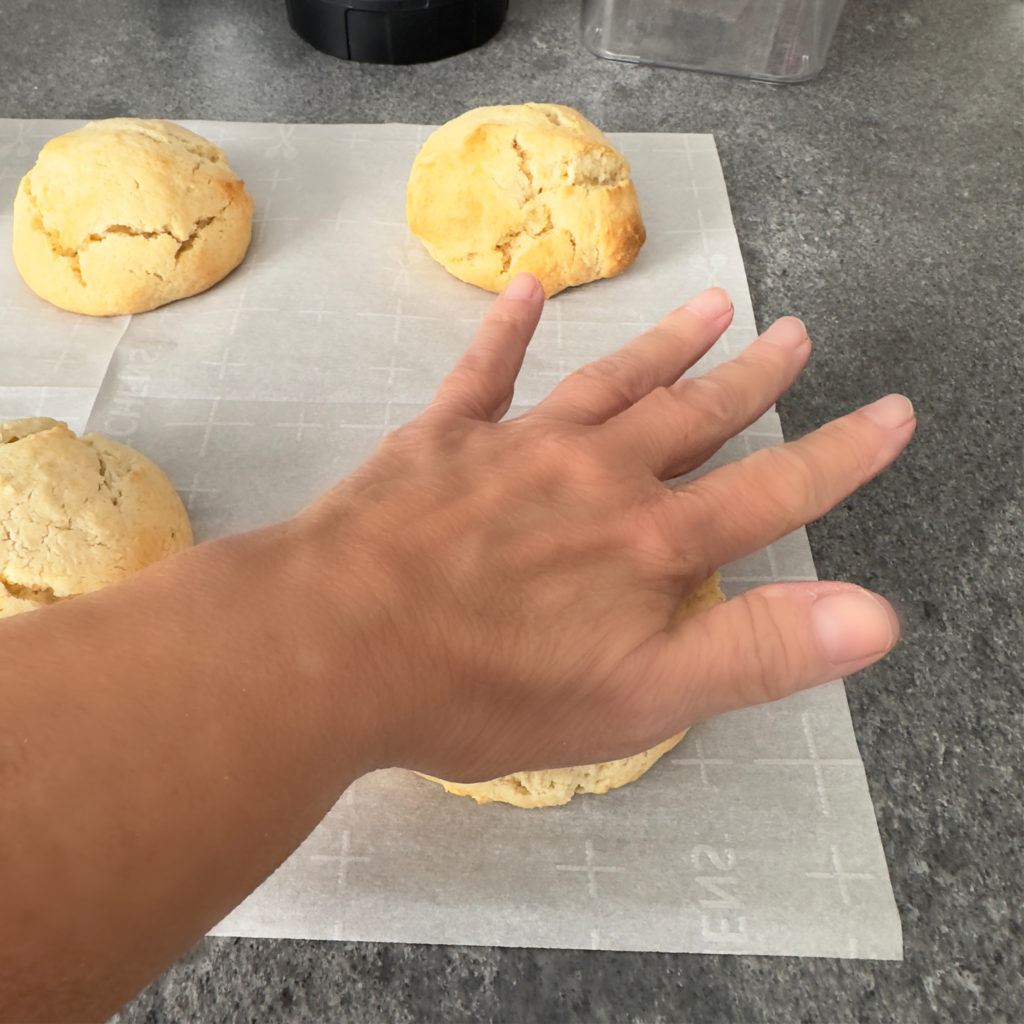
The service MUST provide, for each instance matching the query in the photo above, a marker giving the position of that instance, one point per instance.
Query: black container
(396, 31)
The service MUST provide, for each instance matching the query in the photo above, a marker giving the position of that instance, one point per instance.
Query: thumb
(767, 644)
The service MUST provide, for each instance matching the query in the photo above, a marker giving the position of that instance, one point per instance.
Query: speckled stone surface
(881, 202)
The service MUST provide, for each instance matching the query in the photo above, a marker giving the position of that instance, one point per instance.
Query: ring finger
(656, 358)
(673, 430)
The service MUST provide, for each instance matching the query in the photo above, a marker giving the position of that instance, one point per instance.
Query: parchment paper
(756, 835)
(51, 362)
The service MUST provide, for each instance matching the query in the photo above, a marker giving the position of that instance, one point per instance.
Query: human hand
(516, 577)
(482, 596)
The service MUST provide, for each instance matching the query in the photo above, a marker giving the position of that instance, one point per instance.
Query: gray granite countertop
(882, 203)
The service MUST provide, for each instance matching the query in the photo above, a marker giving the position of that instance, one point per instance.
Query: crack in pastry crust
(534, 187)
(122, 216)
(78, 513)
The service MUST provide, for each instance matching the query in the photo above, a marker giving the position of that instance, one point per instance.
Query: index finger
(482, 382)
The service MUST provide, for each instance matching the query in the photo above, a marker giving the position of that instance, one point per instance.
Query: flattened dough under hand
(558, 786)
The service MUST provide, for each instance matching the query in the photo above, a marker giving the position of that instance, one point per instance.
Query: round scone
(124, 215)
(78, 513)
(556, 786)
(534, 187)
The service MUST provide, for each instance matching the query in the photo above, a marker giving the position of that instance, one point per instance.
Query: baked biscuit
(535, 187)
(78, 513)
(124, 215)
(557, 786)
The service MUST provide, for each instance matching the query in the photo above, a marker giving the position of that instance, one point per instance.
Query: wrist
(335, 614)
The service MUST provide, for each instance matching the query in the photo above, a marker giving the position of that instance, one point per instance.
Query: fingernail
(852, 626)
(710, 305)
(787, 332)
(890, 412)
(522, 286)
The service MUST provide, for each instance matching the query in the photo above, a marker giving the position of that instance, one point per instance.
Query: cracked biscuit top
(77, 513)
(534, 187)
(124, 215)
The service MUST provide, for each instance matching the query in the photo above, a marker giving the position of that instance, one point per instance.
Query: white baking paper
(51, 362)
(755, 835)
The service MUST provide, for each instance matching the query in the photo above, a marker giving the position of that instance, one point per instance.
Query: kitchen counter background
(882, 203)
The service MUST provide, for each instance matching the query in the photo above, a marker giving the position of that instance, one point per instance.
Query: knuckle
(484, 358)
(426, 433)
(504, 317)
(716, 402)
(394, 446)
(772, 669)
(560, 460)
(800, 480)
(851, 448)
(618, 375)
(660, 403)
(476, 359)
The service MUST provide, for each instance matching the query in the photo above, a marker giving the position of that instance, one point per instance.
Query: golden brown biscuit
(535, 187)
(558, 786)
(78, 513)
(124, 215)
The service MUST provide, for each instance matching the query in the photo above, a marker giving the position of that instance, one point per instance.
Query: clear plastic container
(770, 40)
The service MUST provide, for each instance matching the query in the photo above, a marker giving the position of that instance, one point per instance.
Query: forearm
(164, 745)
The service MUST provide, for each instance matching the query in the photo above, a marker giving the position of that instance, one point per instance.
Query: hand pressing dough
(124, 215)
(558, 786)
(78, 513)
(534, 187)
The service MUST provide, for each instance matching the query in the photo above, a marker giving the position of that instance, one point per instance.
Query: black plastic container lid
(396, 31)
